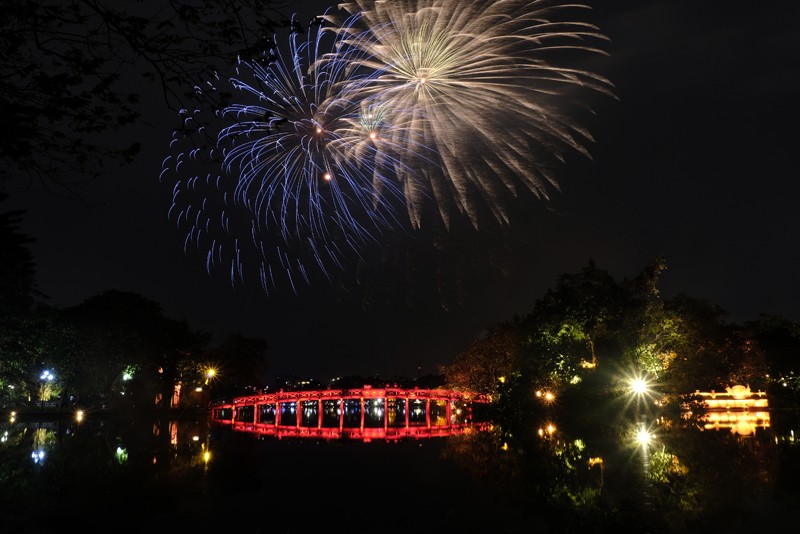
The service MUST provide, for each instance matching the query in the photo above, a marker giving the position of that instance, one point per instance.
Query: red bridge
(365, 413)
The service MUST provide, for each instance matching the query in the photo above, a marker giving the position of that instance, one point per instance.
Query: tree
(700, 361)
(17, 266)
(572, 324)
(487, 362)
(17, 296)
(779, 339)
(651, 334)
(127, 338)
(67, 70)
(241, 364)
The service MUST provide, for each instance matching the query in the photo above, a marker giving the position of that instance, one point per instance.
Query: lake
(541, 474)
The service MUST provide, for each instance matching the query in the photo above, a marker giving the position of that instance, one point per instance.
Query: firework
(485, 84)
(298, 173)
(423, 108)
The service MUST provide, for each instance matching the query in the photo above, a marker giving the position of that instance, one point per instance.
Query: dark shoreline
(32, 413)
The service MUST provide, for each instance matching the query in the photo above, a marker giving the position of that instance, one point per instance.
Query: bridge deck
(361, 413)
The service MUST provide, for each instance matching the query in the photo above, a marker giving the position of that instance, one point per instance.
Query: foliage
(654, 334)
(17, 266)
(590, 329)
(36, 342)
(569, 325)
(92, 348)
(240, 363)
(778, 339)
(62, 82)
(486, 361)
(17, 296)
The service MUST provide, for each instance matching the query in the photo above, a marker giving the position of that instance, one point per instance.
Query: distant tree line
(591, 333)
(586, 336)
(115, 349)
(71, 73)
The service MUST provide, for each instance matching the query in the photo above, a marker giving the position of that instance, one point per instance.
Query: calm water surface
(141, 475)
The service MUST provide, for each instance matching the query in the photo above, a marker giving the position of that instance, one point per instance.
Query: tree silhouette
(17, 266)
(73, 71)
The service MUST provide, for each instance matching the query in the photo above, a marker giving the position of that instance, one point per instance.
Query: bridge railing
(350, 412)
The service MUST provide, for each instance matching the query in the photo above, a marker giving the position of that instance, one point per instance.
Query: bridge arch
(356, 413)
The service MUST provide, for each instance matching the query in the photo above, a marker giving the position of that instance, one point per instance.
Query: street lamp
(639, 386)
(46, 377)
(210, 373)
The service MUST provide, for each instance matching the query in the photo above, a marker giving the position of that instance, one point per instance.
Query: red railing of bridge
(366, 413)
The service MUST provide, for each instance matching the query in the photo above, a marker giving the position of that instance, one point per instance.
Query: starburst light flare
(486, 84)
(298, 177)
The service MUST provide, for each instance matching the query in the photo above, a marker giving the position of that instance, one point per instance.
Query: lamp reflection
(740, 423)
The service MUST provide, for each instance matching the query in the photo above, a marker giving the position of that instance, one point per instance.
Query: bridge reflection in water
(360, 414)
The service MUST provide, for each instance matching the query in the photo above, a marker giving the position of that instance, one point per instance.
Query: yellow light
(595, 461)
(206, 456)
(639, 386)
(327, 177)
(373, 135)
(319, 130)
(79, 415)
(505, 446)
(502, 379)
(643, 437)
(549, 397)
(551, 428)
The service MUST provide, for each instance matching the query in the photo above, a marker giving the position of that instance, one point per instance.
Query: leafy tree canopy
(72, 70)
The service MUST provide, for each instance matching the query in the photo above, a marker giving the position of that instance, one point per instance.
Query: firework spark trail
(475, 80)
(444, 105)
(298, 156)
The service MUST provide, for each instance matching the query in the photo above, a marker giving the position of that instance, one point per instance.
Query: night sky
(696, 161)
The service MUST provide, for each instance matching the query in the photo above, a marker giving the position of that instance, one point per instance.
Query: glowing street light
(546, 396)
(643, 437)
(639, 386)
(46, 377)
(210, 373)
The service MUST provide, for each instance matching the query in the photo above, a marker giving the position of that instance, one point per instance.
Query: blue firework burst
(301, 175)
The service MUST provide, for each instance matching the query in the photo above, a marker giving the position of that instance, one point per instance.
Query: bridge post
(361, 400)
(408, 408)
(319, 413)
(341, 413)
(449, 411)
(428, 412)
(298, 412)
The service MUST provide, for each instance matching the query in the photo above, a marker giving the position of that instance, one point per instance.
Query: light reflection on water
(143, 475)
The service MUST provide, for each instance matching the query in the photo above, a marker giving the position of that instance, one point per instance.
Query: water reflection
(89, 471)
(650, 475)
(743, 423)
(550, 473)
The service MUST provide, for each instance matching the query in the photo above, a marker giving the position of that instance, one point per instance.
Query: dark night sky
(696, 162)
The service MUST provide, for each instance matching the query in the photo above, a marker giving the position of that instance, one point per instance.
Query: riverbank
(35, 412)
